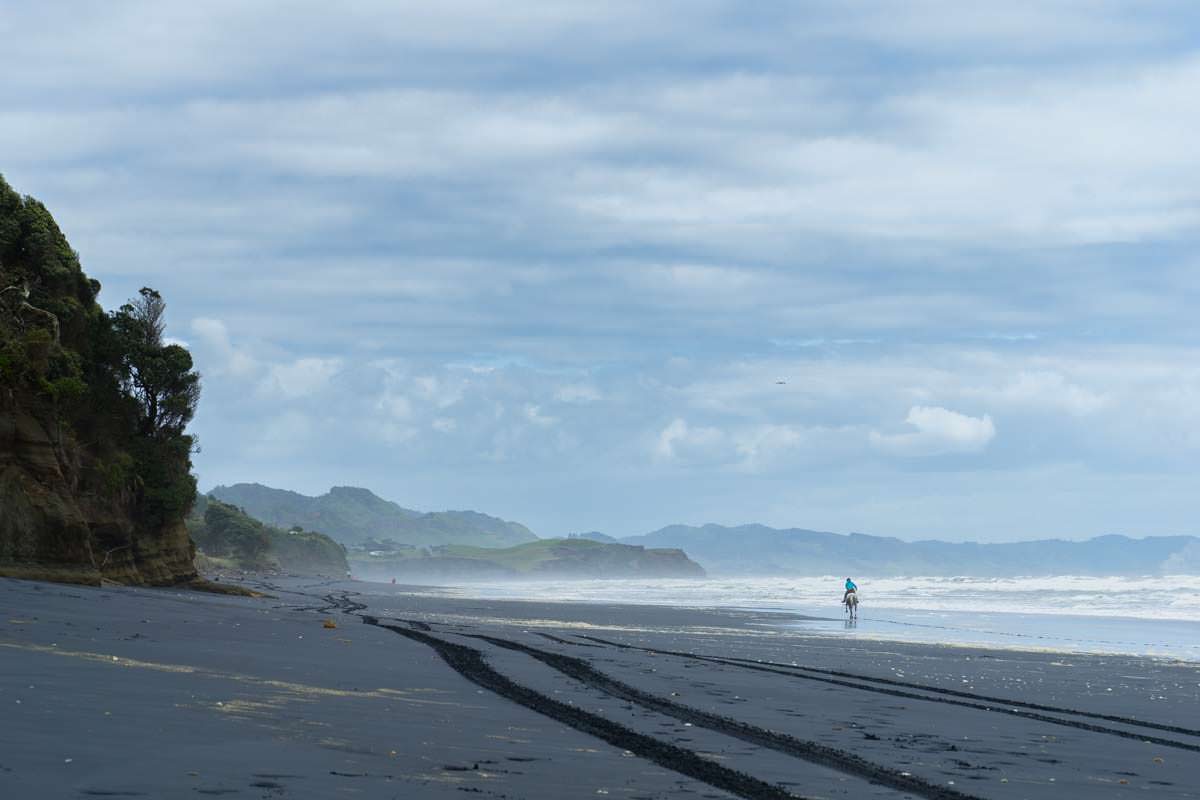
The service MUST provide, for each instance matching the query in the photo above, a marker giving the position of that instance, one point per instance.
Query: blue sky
(552, 261)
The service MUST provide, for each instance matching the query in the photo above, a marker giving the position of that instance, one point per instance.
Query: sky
(925, 270)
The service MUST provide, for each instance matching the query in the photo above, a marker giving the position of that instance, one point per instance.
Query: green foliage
(66, 389)
(226, 533)
(164, 469)
(10, 367)
(159, 377)
(36, 344)
(308, 552)
(115, 473)
(109, 378)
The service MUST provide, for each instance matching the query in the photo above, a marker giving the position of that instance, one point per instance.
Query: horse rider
(850, 587)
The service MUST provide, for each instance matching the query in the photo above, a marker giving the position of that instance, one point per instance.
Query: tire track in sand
(470, 663)
(813, 752)
(993, 705)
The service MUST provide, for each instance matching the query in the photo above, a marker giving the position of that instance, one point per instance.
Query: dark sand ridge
(330, 730)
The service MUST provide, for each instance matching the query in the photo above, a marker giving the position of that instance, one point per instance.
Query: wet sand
(117, 692)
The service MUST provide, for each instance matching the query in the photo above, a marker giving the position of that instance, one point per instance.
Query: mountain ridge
(355, 516)
(759, 549)
(352, 515)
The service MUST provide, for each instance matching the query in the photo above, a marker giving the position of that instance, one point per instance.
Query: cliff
(94, 465)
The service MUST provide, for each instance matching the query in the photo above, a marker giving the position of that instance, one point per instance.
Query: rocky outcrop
(74, 502)
(53, 528)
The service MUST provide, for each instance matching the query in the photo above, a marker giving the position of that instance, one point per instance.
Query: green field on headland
(579, 558)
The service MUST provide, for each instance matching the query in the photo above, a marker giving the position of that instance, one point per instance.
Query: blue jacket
(850, 585)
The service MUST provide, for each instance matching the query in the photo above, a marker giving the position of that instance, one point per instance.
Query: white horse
(852, 605)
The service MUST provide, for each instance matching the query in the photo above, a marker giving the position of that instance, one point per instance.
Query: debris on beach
(329, 624)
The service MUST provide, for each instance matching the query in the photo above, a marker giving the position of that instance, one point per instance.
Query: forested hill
(227, 538)
(95, 470)
(759, 550)
(352, 515)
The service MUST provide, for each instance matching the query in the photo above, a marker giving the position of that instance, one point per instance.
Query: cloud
(1048, 389)
(304, 376)
(533, 413)
(939, 431)
(585, 241)
(283, 435)
(226, 359)
(679, 441)
(579, 393)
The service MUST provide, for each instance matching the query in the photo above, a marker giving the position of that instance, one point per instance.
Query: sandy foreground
(119, 692)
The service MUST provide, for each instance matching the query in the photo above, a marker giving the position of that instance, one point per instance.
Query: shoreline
(173, 693)
(1171, 638)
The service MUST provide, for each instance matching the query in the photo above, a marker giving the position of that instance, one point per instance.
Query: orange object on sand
(330, 623)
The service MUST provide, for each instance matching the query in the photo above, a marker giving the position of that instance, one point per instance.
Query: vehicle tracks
(955, 697)
(813, 752)
(471, 664)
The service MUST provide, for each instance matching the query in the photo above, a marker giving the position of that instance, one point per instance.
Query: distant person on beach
(850, 587)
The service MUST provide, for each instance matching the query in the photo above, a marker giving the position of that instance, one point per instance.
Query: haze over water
(1156, 616)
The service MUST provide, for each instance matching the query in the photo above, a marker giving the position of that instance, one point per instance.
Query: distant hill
(760, 550)
(545, 558)
(227, 538)
(352, 515)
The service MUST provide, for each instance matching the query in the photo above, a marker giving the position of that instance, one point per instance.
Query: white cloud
(760, 445)
(611, 204)
(441, 392)
(579, 393)
(682, 442)
(214, 336)
(939, 431)
(300, 378)
(695, 278)
(282, 435)
(533, 413)
(394, 406)
(1047, 389)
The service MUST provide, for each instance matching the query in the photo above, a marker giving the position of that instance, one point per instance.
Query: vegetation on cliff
(95, 468)
(229, 538)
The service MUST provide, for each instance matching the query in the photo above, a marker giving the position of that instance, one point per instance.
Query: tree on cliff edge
(158, 376)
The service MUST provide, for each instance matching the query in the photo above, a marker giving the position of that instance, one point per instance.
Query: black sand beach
(119, 692)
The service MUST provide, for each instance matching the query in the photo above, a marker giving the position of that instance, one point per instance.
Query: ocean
(1149, 616)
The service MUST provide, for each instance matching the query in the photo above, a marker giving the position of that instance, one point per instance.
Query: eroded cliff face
(73, 506)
